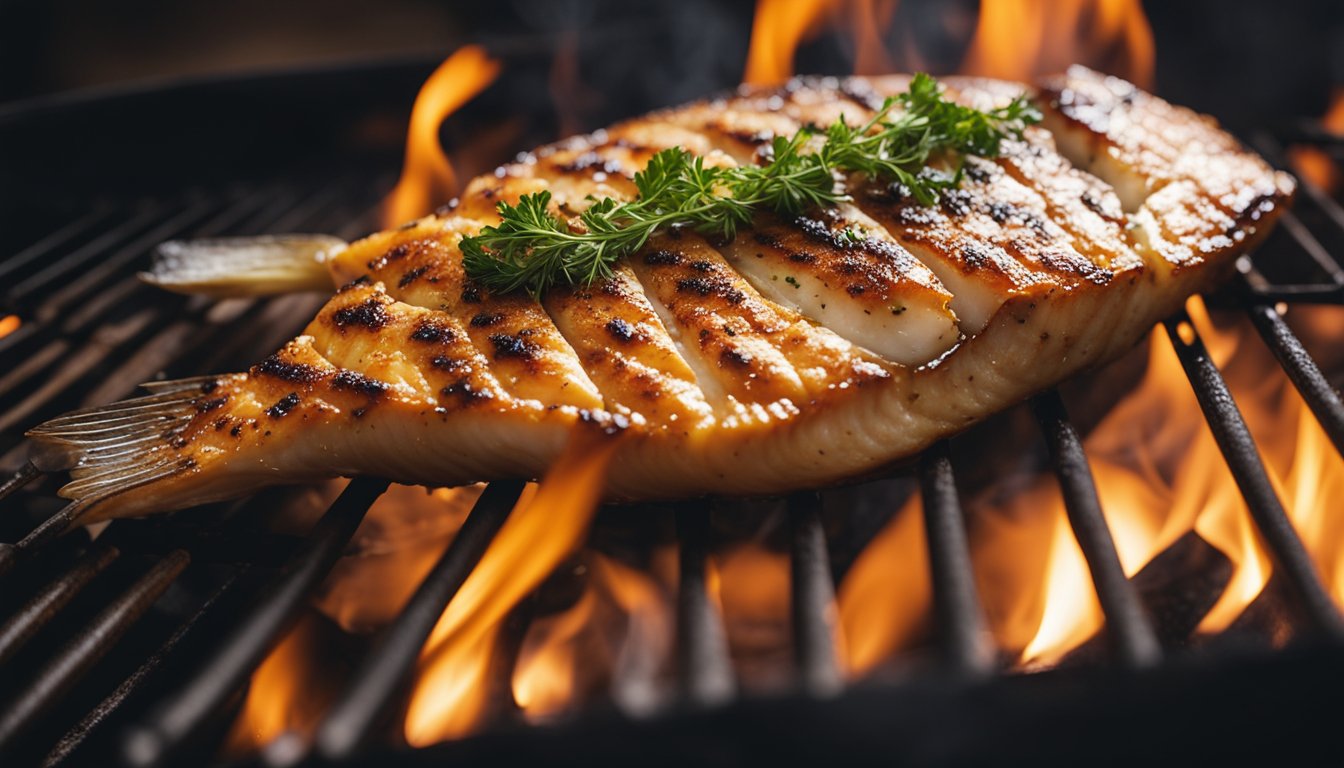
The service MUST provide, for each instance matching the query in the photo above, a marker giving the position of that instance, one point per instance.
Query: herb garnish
(534, 249)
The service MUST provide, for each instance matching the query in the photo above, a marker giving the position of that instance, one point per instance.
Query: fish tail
(244, 266)
(124, 447)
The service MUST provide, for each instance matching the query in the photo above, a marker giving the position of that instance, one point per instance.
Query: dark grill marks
(283, 406)
(412, 276)
(711, 286)
(449, 364)
(432, 333)
(358, 382)
(397, 253)
(662, 258)
(514, 345)
(486, 319)
(299, 373)
(370, 313)
(211, 405)
(463, 390)
(620, 329)
(353, 284)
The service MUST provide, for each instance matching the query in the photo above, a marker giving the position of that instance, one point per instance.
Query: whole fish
(806, 350)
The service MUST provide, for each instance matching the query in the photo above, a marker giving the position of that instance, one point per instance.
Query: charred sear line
(353, 284)
(620, 330)
(662, 258)
(432, 333)
(298, 373)
(283, 406)
(370, 313)
(735, 357)
(449, 364)
(412, 276)
(358, 382)
(464, 391)
(711, 286)
(514, 345)
(589, 161)
(395, 253)
(486, 319)
(207, 406)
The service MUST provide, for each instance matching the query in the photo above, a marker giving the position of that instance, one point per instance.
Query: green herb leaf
(533, 249)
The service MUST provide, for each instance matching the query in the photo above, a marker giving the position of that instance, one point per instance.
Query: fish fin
(244, 266)
(115, 448)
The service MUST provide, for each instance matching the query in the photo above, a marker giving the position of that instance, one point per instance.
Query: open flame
(618, 633)
(451, 691)
(427, 177)
(1315, 164)
(1020, 39)
(289, 691)
(776, 30)
(884, 599)
(9, 324)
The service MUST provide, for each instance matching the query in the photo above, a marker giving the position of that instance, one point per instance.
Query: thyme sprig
(532, 248)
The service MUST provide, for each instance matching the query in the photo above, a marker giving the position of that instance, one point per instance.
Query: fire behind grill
(134, 646)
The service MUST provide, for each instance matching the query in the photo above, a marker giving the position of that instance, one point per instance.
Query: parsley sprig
(532, 248)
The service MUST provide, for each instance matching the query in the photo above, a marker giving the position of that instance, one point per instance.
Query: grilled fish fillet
(805, 351)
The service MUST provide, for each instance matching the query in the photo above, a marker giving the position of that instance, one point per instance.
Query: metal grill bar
(352, 719)
(77, 735)
(1128, 626)
(1243, 459)
(813, 598)
(704, 671)
(1322, 398)
(963, 638)
(87, 647)
(179, 717)
(38, 611)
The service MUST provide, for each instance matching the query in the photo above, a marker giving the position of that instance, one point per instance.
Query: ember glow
(9, 324)
(427, 177)
(451, 690)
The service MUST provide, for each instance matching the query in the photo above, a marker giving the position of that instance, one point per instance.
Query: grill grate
(91, 332)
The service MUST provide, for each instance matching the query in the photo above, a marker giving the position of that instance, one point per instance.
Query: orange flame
(289, 691)
(750, 583)
(1021, 39)
(427, 176)
(450, 694)
(776, 31)
(619, 629)
(886, 594)
(9, 324)
(1313, 163)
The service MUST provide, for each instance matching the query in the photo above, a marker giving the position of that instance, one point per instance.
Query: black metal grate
(91, 332)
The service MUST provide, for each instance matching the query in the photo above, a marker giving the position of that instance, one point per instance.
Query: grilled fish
(805, 351)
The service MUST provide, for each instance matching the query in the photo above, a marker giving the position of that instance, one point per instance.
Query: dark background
(122, 100)
(1235, 59)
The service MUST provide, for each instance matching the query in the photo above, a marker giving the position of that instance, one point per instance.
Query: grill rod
(181, 714)
(76, 736)
(19, 628)
(964, 640)
(1129, 628)
(812, 593)
(1243, 459)
(352, 719)
(704, 671)
(86, 648)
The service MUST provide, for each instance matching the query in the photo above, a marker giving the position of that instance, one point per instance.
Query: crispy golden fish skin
(808, 350)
